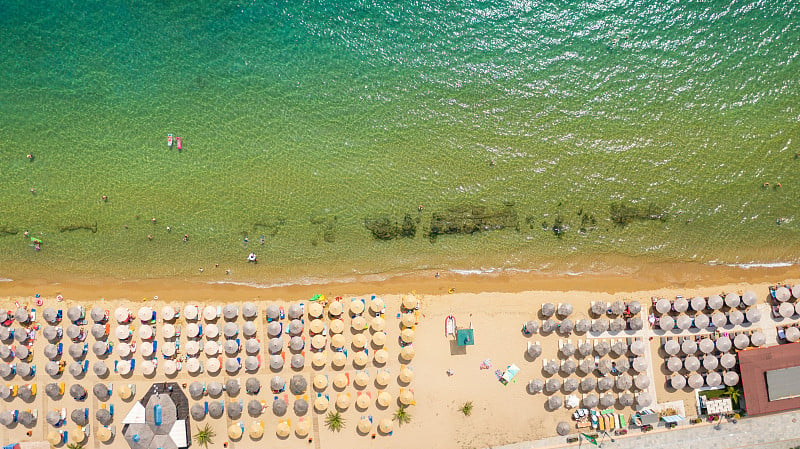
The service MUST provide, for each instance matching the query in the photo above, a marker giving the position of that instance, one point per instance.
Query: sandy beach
(495, 306)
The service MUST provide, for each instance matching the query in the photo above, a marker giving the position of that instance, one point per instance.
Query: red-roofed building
(756, 366)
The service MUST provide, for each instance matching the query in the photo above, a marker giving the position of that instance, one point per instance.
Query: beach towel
(486, 364)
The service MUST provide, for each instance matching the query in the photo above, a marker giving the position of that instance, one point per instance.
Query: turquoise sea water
(300, 120)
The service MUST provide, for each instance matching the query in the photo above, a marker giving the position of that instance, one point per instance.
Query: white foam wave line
(747, 266)
(6, 280)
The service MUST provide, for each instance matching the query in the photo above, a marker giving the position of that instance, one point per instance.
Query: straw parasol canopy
(554, 402)
(674, 364)
(727, 361)
(254, 408)
(338, 341)
(79, 416)
(407, 353)
(230, 330)
(335, 309)
(626, 399)
(100, 368)
(234, 409)
(691, 363)
(619, 348)
(357, 306)
(256, 430)
(588, 384)
(407, 335)
(249, 311)
(252, 346)
(103, 415)
(566, 326)
(295, 311)
(723, 343)
(741, 341)
(377, 305)
(251, 363)
(585, 349)
(644, 399)
(642, 381)
(531, 327)
(680, 305)
(792, 334)
(698, 303)
(273, 312)
(385, 426)
(316, 326)
(295, 327)
(192, 348)
(339, 359)
(715, 302)
(786, 310)
(598, 307)
(783, 294)
(719, 319)
(623, 365)
(634, 307)
(732, 300)
(378, 324)
(50, 333)
(26, 418)
(706, 345)
(534, 350)
(249, 329)
(275, 345)
(343, 401)
(713, 379)
(731, 378)
(535, 386)
(624, 382)
(684, 322)
(605, 366)
(636, 323)
(235, 431)
(296, 344)
(758, 338)
(600, 325)
(298, 384)
(549, 325)
(567, 349)
(551, 367)
(568, 366)
(198, 412)
(663, 306)
(215, 409)
(298, 361)
(701, 321)
(564, 309)
(364, 426)
(548, 309)
(695, 381)
(213, 365)
(563, 428)
(736, 317)
(590, 401)
(168, 313)
(586, 366)
(602, 347)
(230, 312)
(363, 401)
(666, 323)
(753, 315)
(52, 368)
(677, 381)
(617, 307)
(797, 308)
(638, 347)
(710, 362)
(583, 325)
(607, 400)
(337, 326)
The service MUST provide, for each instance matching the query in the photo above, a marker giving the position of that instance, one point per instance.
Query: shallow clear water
(302, 119)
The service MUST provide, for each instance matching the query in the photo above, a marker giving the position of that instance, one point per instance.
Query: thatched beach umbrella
(298, 384)
(215, 409)
(585, 348)
(636, 323)
(531, 327)
(732, 300)
(7, 418)
(607, 400)
(719, 319)
(701, 321)
(731, 378)
(551, 367)
(640, 364)
(797, 308)
(252, 346)
(295, 327)
(25, 369)
(103, 415)
(786, 310)
(644, 399)
(626, 399)
(5, 351)
(232, 366)
(22, 352)
(602, 347)
(782, 294)
(586, 366)
(624, 382)
(758, 339)
(710, 362)
(741, 341)
(566, 326)
(619, 348)
(568, 366)
(548, 309)
(535, 386)
(674, 364)
(663, 306)
(233, 387)
(275, 345)
(300, 406)
(715, 302)
(706, 345)
(52, 390)
(80, 416)
(25, 393)
(249, 329)
(605, 366)
(234, 409)
(677, 381)
(254, 408)
(198, 412)
(99, 368)
(684, 322)
(691, 363)
(792, 334)
(230, 347)
(588, 384)
(617, 307)
(77, 350)
(554, 402)
(689, 346)
(623, 364)
(53, 418)
(753, 315)
(695, 381)
(600, 325)
(666, 323)
(749, 298)
(51, 334)
(196, 390)
(50, 315)
(723, 343)
(249, 311)
(26, 418)
(214, 389)
(590, 401)
(101, 391)
(5, 370)
(230, 312)
(534, 350)
(735, 317)
(567, 349)
(273, 312)
(168, 313)
(296, 344)
(599, 307)
(563, 428)
(638, 347)
(634, 307)
(52, 368)
(672, 347)
(583, 325)
(698, 303)
(298, 361)
(230, 330)
(727, 361)
(549, 325)
(564, 309)
(680, 305)
(75, 313)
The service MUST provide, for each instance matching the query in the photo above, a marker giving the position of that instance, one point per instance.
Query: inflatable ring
(155, 298)
(451, 291)
(39, 302)
(59, 298)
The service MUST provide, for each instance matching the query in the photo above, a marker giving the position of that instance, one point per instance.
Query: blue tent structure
(465, 337)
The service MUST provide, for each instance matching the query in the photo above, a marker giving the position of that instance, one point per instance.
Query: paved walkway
(783, 433)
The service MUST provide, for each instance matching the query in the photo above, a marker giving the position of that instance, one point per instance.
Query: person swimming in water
(252, 258)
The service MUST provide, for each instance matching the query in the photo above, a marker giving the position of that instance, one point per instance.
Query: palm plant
(466, 409)
(402, 416)
(735, 394)
(75, 446)
(204, 436)
(334, 421)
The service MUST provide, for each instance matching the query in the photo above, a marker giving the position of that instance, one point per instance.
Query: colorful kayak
(169, 140)
(450, 326)
(179, 142)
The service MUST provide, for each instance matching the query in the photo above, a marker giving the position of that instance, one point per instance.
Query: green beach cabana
(465, 337)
